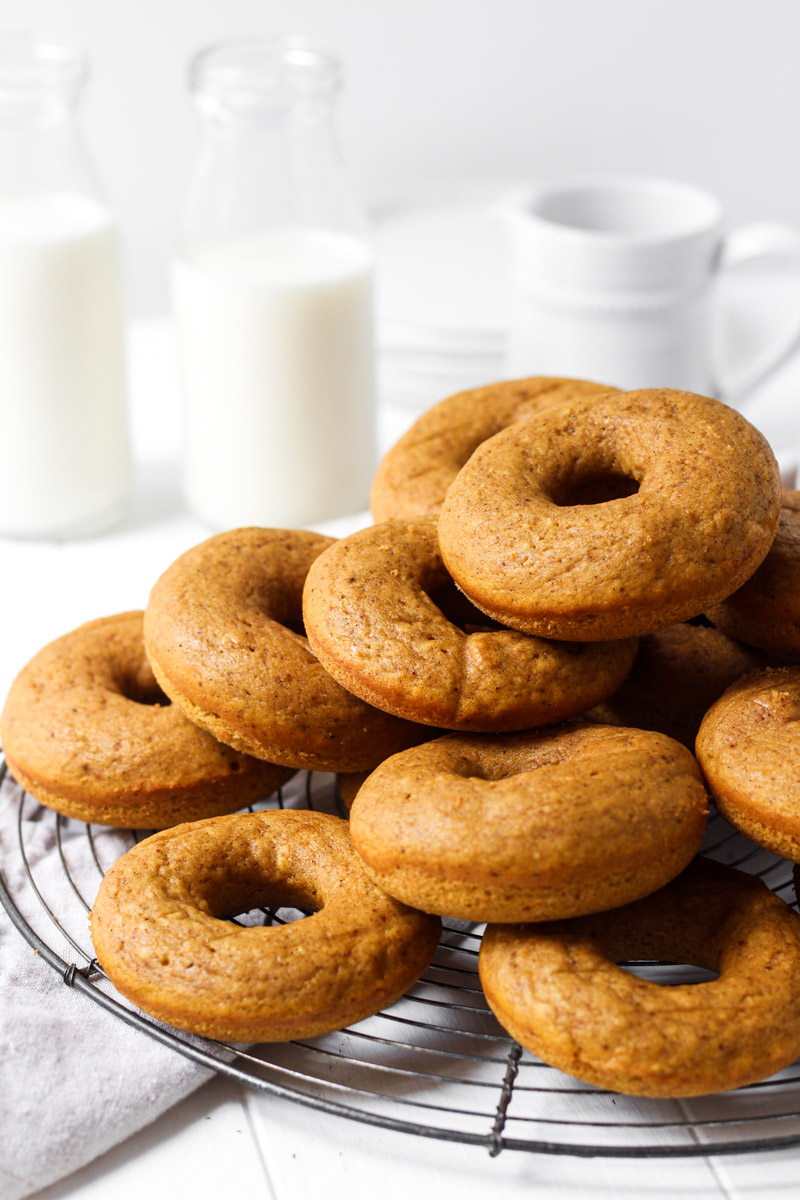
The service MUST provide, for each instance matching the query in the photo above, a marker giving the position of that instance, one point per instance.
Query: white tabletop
(225, 1138)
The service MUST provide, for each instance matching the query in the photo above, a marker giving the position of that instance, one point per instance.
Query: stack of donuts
(567, 590)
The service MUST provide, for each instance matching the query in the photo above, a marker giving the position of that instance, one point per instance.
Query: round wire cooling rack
(435, 1063)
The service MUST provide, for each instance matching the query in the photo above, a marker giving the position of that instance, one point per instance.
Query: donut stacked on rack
(468, 666)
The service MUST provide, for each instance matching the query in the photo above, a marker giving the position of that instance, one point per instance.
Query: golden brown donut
(414, 475)
(678, 674)
(372, 613)
(749, 748)
(614, 518)
(557, 989)
(223, 630)
(765, 611)
(530, 827)
(88, 732)
(158, 929)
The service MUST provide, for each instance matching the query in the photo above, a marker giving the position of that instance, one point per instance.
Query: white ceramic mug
(613, 280)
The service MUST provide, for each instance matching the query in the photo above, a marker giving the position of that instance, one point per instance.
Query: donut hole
(669, 974)
(495, 767)
(140, 687)
(456, 608)
(664, 951)
(231, 889)
(470, 769)
(283, 605)
(285, 915)
(598, 485)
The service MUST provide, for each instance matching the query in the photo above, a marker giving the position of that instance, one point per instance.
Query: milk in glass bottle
(64, 449)
(272, 296)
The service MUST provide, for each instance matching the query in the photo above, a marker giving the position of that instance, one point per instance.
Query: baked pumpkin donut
(372, 609)
(223, 630)
(678, 674)
(159, 934)
(765, 611)
(530, 827)
(414, 475)
(558, 990)
(614, 518)
(749, 748)
(88, 732)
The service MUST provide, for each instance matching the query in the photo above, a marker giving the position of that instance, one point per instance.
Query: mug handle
(761, 242)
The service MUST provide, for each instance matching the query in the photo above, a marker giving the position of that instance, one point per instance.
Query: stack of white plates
(442, 286)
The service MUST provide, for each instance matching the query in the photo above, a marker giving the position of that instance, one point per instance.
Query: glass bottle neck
(41, 149)
(269, 158)
(279, 169)
(41, 80)
(44, 156)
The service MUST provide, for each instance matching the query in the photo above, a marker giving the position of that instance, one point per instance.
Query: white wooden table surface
(226, 1140)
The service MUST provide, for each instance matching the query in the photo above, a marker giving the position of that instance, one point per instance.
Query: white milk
(276, 343)
(64, 454)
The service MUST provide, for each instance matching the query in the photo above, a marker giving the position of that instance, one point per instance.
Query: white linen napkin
(74, 1079)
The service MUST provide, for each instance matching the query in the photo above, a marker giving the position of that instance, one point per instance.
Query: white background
(702, 90)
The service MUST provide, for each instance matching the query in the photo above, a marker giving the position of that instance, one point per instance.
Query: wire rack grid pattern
(435, 1063)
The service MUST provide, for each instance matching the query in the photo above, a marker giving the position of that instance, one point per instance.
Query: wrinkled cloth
(72, 1074)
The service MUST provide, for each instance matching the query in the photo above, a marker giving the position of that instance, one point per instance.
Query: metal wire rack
(436, 1063)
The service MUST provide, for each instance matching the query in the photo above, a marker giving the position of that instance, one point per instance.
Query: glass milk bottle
(65, 465)
(272, 296)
